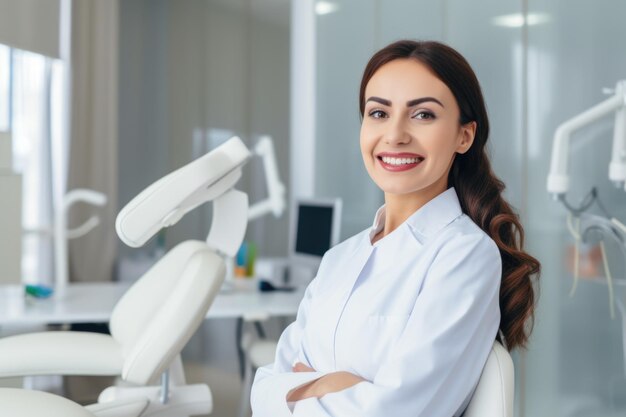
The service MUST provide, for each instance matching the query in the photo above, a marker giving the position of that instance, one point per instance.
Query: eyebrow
(409, 103)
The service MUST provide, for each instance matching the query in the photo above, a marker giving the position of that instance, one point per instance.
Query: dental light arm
(558, 178)
(617, 166)
(275, 202)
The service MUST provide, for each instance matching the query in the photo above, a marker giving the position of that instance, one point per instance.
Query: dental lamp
(558, 178)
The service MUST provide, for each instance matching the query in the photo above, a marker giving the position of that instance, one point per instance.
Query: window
(32, 88)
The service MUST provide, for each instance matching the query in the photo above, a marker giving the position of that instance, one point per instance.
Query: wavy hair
(479, 190)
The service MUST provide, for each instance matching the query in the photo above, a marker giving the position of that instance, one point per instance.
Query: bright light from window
(517, 20)
(325, 7)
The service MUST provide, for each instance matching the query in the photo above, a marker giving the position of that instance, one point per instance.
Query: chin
(398, 189)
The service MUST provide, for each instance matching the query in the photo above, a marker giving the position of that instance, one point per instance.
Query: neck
(399, 207)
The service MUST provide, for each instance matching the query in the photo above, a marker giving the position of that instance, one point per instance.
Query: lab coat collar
(428, 219)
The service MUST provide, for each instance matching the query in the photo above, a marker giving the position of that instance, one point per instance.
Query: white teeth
(399, 161)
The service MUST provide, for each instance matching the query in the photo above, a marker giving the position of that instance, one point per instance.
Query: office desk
(93, 303)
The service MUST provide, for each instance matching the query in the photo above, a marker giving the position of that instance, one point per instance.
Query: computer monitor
(315, 226)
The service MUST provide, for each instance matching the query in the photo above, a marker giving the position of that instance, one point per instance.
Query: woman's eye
(377, 114)
(424, 115)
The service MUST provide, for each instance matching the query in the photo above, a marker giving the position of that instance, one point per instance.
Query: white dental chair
(156, 317)
(495, 391)
(149, 327)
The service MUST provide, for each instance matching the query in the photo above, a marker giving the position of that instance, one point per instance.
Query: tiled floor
(225, 386)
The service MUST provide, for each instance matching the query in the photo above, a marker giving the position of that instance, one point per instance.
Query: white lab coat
(415, 314)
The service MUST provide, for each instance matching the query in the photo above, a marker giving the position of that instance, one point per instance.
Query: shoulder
(464, 257)
(464, 237)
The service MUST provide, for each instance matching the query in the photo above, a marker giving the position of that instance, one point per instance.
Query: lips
(401, 161)
(399, 155)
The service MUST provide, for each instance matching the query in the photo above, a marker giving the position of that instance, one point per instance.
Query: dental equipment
(558, 178)
(607, 228)
(275, 202)
(156, 317)
(62, 234)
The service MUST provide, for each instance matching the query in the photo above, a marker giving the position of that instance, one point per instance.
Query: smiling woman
(401, 317)
(409, 109)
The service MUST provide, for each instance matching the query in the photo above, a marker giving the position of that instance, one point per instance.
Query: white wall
(143, 100)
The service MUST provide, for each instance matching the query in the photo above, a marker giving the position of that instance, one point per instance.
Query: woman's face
(411, 130)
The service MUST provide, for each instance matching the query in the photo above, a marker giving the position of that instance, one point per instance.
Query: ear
(466, 135)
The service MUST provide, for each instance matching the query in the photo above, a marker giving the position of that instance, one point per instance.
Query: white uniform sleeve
(435, 365)
(273, 382)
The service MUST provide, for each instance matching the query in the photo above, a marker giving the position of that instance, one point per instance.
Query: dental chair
(494, 394)
(157, 316)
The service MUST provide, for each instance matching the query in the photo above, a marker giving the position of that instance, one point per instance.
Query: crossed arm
(333, 382)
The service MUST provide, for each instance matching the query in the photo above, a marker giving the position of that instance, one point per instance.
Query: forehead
(406, 79)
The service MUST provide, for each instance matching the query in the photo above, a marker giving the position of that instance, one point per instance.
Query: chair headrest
(167, 200)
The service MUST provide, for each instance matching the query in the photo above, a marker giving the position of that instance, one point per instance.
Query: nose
(398, 133)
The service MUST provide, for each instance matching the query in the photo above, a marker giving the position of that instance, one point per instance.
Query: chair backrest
(494, 394)
(158, 315)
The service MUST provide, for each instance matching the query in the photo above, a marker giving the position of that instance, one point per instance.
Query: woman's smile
(396, 162)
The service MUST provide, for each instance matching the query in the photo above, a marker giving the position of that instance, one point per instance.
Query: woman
(401, 317)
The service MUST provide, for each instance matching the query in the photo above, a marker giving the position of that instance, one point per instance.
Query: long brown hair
(479, 190)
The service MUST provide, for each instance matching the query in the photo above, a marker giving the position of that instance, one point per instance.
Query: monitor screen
(314, 229)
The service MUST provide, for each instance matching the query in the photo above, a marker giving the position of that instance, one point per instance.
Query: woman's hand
(333, 382)
(300, 367)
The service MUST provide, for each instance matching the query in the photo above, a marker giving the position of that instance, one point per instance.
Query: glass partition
(539, 63)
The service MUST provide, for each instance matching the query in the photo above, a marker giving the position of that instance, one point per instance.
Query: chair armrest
(60, 353)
